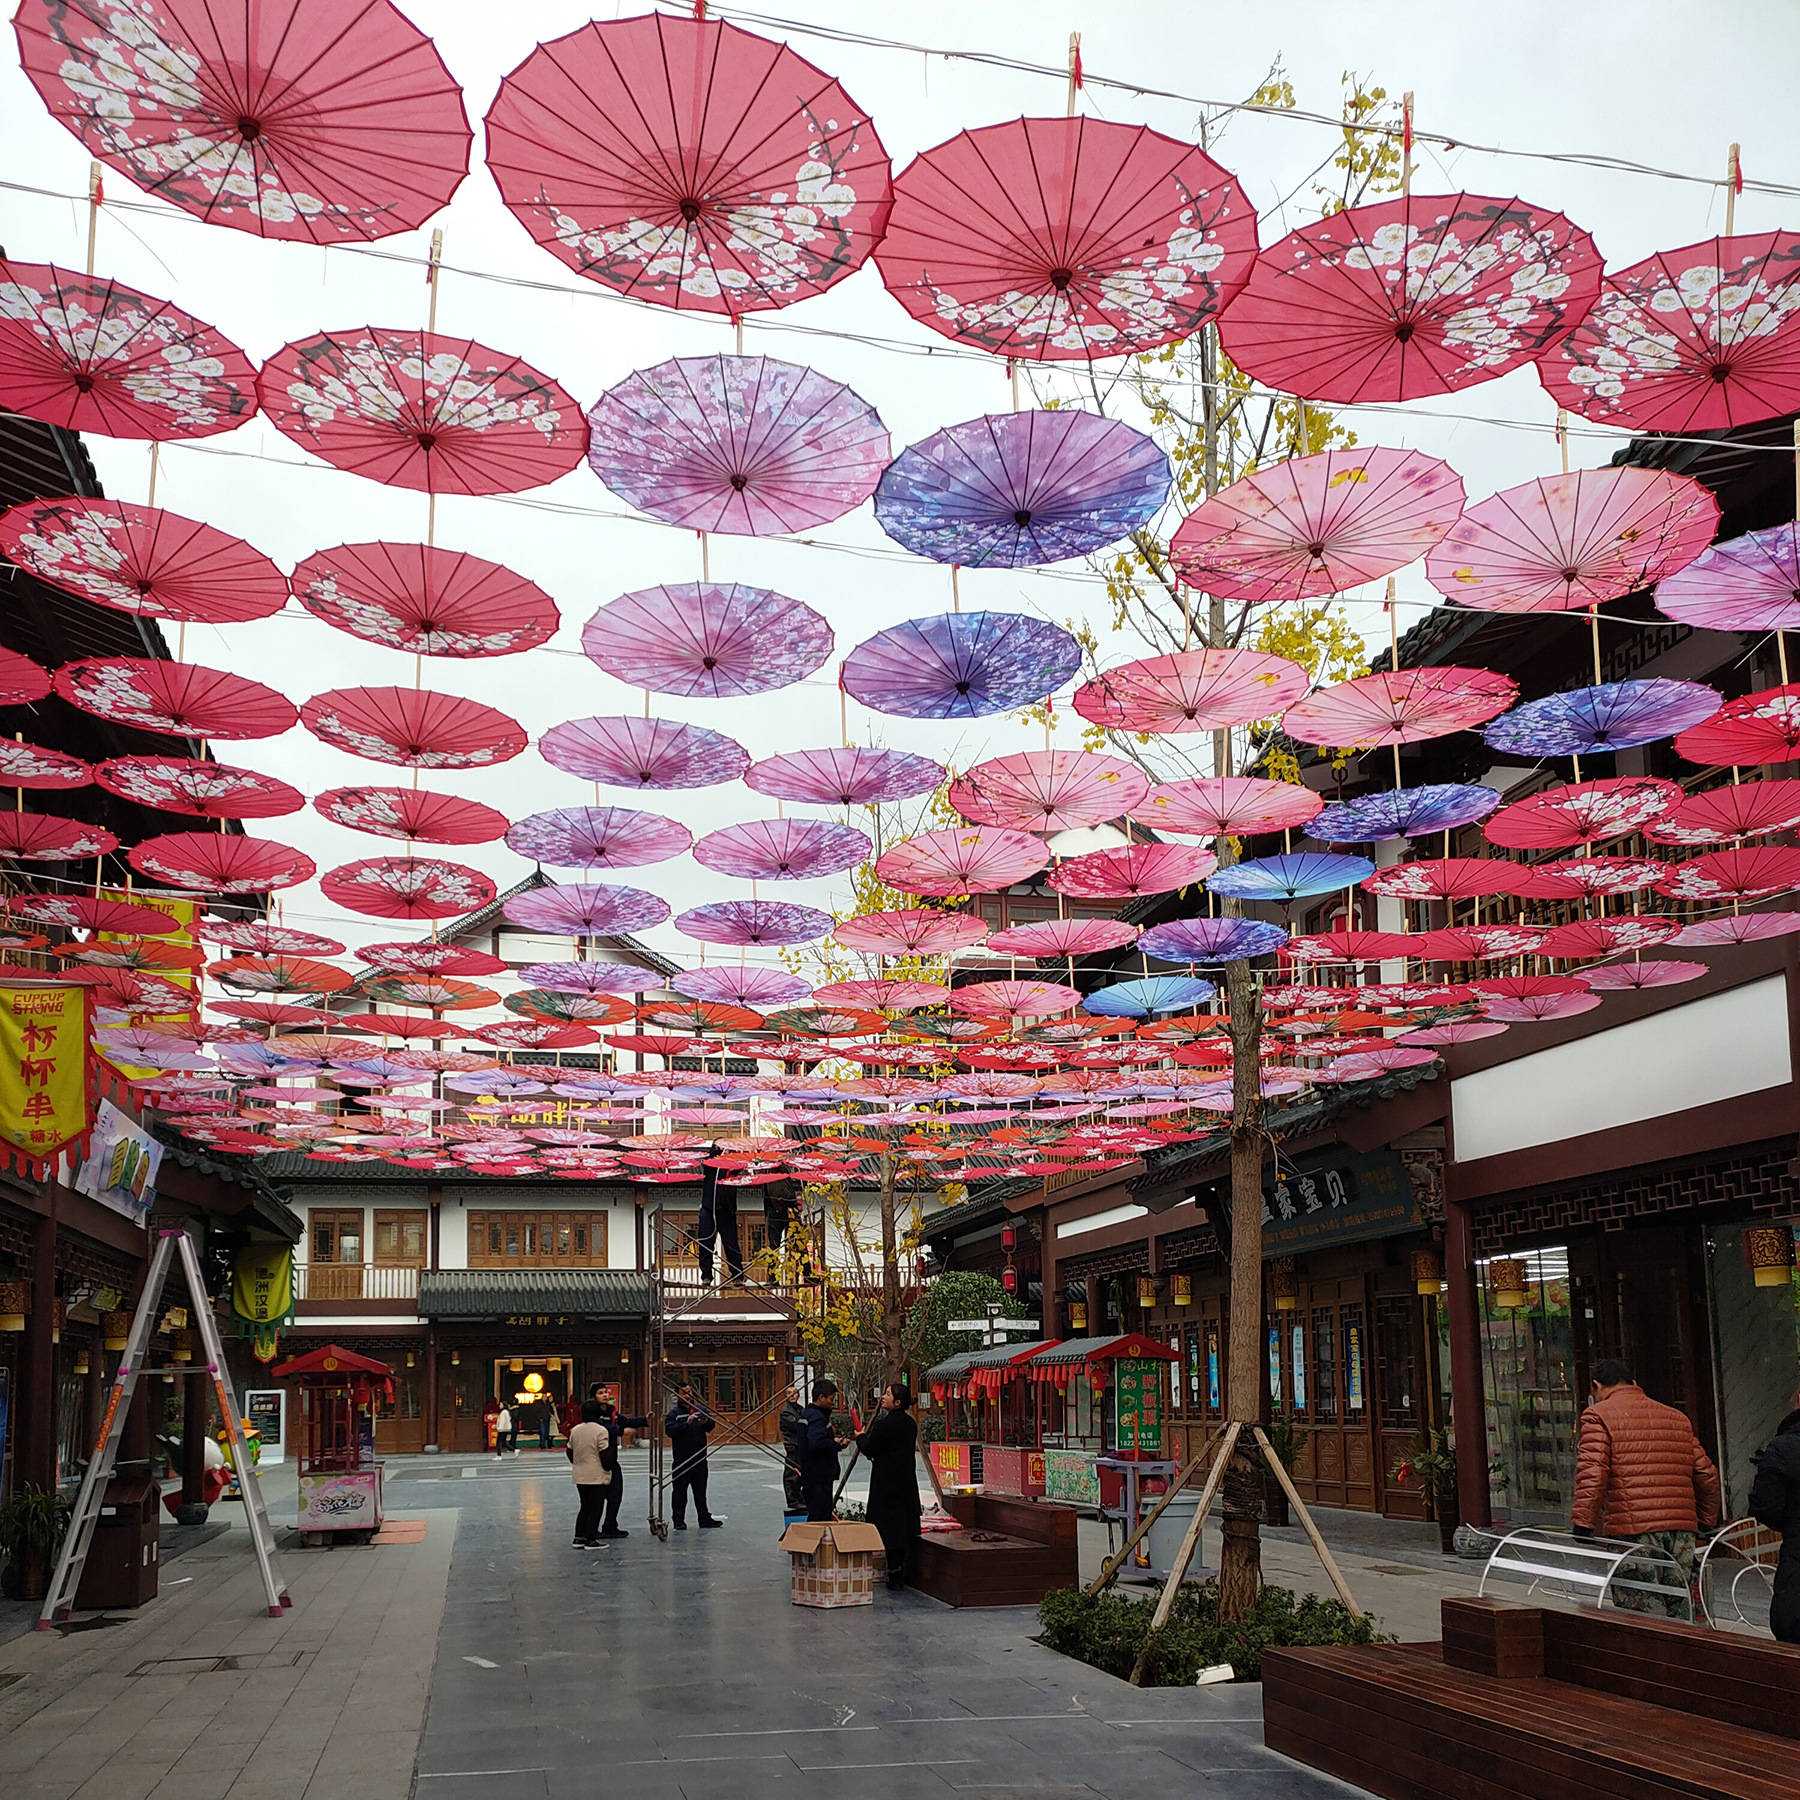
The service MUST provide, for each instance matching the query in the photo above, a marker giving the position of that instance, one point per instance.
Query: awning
(534, 1296)
(1055, 1360)
(990, 1370)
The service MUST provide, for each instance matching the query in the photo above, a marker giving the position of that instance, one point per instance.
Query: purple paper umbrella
(598, 837)
(1016, 489)
(1728, 928)
(742, 987)
(960, 665)
(782, 849)
(1291, 877)
(1616, 716)
(1211, 940)
(739, 444)
(1634, 977)
(848, 777)
(586, 909)
(754, 922)
(1406, 812)
(1748, 583)
(591, 977)
(705, 640)
(644, 753)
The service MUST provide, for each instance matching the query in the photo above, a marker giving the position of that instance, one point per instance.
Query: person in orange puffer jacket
(1640, 1473)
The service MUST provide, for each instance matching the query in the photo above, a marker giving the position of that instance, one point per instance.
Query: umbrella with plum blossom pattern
(1048, 790)
(1580, 877)
(754, 922)
(1744, 809)
(1192, 690)
(209, 862)
(1230, 805)
(1445, 878)
(598, 837)
(1758, 728)
(851, 776)
(1736, 928)
(643, 753)
(280, 975)
(1014, 999)
(1399, 708)
(1560, 817)
(24, 765)
(1584, 938)
(707, 640)
(201, 788)
(93, 912)
(43, 837)
(259, 937)
(910, 931)
(782, 849)
(960, 665)
(1062, 937)
(415, 815)
(591, 977)
(405, 887)
(882, 995)
(1128, 870)
(1634, 977)
(182, 699)
(1750, 872)
(429, 957)
(972, 859)
(413, 727)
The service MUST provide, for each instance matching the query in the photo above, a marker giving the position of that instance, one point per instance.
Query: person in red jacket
(1640, 1473)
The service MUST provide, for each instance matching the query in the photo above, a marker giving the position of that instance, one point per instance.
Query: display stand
(340, 1493)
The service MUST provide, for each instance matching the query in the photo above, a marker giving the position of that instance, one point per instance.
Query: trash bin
(122, 1564)
(1163, 1541)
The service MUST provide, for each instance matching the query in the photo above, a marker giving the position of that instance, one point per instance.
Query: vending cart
(340, 1480)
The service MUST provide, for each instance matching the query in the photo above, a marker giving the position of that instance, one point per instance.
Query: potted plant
(1431, 1462)
(1287, 1440)
(32, 1524)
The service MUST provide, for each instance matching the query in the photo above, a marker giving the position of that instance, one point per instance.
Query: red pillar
(1468, 1408)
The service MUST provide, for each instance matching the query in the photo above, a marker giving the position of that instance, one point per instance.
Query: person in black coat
(1775, 1503)
(616, 1424)
(686, 1427)
(819, 1447)
(793, 1425)
(891, 1447)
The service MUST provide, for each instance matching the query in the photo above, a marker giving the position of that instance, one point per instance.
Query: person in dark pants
(546, 1426)
(819, 1447)
(686, 1427)
(505, 1437)
(617, 1424)
(779, 1199)
(891, 1448)
(793, 1425)
(718, 1222)
(587, 1451)
(1775, 1503)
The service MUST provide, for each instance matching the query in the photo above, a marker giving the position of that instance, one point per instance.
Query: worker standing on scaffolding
(617, 1424)
(686, 1428)
(718, 1221)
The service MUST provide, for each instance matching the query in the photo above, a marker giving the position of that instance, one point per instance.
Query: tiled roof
(496, 1293)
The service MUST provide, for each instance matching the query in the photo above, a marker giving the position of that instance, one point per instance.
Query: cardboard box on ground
(834, 1564)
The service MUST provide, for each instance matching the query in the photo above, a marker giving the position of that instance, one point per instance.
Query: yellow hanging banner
(43, 1068)
(262, 1283)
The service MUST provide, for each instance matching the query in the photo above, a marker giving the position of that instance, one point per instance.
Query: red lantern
(1009, 1280)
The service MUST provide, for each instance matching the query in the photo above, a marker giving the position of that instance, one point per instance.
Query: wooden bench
(1031, 1552)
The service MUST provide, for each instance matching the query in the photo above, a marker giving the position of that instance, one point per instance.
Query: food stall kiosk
(340, 1480)
(992, 1424)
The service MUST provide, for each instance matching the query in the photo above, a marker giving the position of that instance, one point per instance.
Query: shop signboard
(265, 1412)
(1140, 1408)
(120, 1167)
(1338, 1197)
(1070, 1475)
(954, 1464)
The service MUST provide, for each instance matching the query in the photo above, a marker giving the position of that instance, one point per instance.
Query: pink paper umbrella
(202, 789)
(643, 753)
(1457, 1031)
(591, 978)
(1317, 524)
(1445, 878)
(412, 814)
(782, 849)
(598, 837)
(753, 922)
(1403, 708)
(1736, 928)
(1537, 1009)
(41, 837)
(743, 445)
(413, 727)
(414, 409)
(211, 862)
(1563, 816)
(1586, 938)
(1745, 809)
(910, 931)
(1229, 805)
(1564, 542)
(742, 987)
(1748, 583)
(425, 601)
(1750, 873)
(1758, 728)
(1063, 937)
(978, 859)
(882, 995)
(182, 699)
(1131, 870)
(406, 887)
(260, 938)
(852, 776)
(1049, 790)
(27, 766)
(1635, 977)
(706, 640)
(21, 680)
(1697, 339)
(586, 909)
(1193, 690)
(1583, 877)
(1014, 999)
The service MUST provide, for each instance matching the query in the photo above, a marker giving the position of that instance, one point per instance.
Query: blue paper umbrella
(1406, 812)
(1290, 877)
(1149, 994)
(1212, 940)
(1615, 716)
(1015, 489)
(960, 665)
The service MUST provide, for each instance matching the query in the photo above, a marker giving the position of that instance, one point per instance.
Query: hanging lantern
(1284, 1284)
(769, 1354)
(15, 1303)
(115, 1330)
(1427, 1271)
(1181, 1289)
(1078, 1315)
(1009, 1280)
(624, 1356)
(1507, 1276)
(59, 1317)
(517, 1363)
(82, 1363)
(554, 1365)
(1097, 1380)
(1769, 1250)
(181, 1346)
(456, 1359)
(1146, 1291)
(409, 1359)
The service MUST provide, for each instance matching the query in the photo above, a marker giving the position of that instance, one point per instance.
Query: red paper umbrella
(1745, 809)
(88, 912)
(132, 953)
(417, 410)
(689, 163)
(910, 931)
(1445, 878)
(1760, 728)
(426, 601)
(1587, 938)
(1412, 297)
(1317, 524)
(1133, 869)
(703, 1015)
(280, 974)
(430, 957)
(1749, 873)
(41, 837)
(129, 992)
(1063, 937)
(1354, 946)
(1563, 816)
(1015, 999)
(1696, 339)
(1066, 239)
(523, 1036)
(643, 753)
(90, 354)
(978, 859)
(210, 862)
(1476, 943)
(782, 849)
(894, 995)
(260, 938)
(395, 1025)
(204, 790)
(1229, 805)
(1583, 876)
(182, 699)
(21, 680)
(1049, 790)
(405, 887)
(413, 727)
(412, 814)
(1403, 708)
(1194, 690)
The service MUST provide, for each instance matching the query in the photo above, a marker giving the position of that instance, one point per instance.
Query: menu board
(1140, 1406)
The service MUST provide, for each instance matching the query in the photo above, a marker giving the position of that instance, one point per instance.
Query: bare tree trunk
(893, 1319)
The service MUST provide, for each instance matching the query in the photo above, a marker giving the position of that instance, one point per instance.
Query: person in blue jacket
(686, 1427)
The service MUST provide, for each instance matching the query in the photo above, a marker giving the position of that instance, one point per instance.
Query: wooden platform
(1026, 1549)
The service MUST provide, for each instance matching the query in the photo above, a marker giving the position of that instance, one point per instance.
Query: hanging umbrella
(413, 727)
(1536, 1009)
(280, 975)
(1634, 977)
(415, 409)
(1475, 943)
(1758, 728)
(643, 753)
(689, 163)
(425, 601)
(1132, 869)
(1736, 928)
(547, 1007)
(1293, 877)
(598, 837)
(1586, 938)
(1410, 298)
(960, 665)
(1618, 715)
(212, 862)
(1696, 339)
(1066, 239)
(400, 1025)
(742, 987)
(852, 776)
(894, 995)
(1013, 490)
(591, 977)
(1212, 940)
(1404, 708)
(973, 859)
(1750, 872)
(1562, 816)
(782, 849)
(1049, 790)
(21, 680)
(586, 909)
(1404, 812)
(429, 957)
(1353, 946)
(1445, 878)
(1457, 1031)
(1062, 937)
(42, 837)
(406, 887)
(442, 993)
(26, 766)
(1229, 805)
(1744, 809)
(202, 789)
(182, 699)
(524, 1036)
(1149, 995)
(1317, 524)
(90, 912)
(1014, 999)
(1192, 690)
(753, 923)
(1748, 583)
(910, 931)
(260, 938)
(1584, 876)
(1564, 542)
(707, 640)
(413, 814)
(703, 1015)
(743, 445)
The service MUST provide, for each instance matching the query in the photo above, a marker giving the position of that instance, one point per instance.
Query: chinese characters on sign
(1140, 1411)
(262, 1284)
(1351, 1197)
(43, 1068)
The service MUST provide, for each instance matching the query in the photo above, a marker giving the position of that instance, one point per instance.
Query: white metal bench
(1586, 1571)
(1735, 1575)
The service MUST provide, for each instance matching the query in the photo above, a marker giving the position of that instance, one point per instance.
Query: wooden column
(93, 1396)
(36, 1452)
(1468, 1407)
(432, 1440)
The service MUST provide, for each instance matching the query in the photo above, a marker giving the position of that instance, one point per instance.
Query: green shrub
(1108, 1631)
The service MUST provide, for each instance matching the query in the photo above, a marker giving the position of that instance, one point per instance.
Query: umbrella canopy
(406, 887)
(1049, 790)
(1412, 297)
(1192, 690)
(643, 753)
(1317, 524)
(1750, 872)
(203, 790)
(743, 445)
(1151, 994)
(21, 680)
(1737, 928)
(1586, 938)
(415, 409)
(1212, 940)
(852, 776)
(24, 765)
(1697, 339)
(429, 957)
(1564, 542)
(782, 849)
(442, 993)
(591, 977)
(741, 987)
(413, 727)
(1744, 809)
(1132, 869)
(689, 163)
(90, 354)
(90, 912)
(1748, 583)
(1617, 715)
(753, 923)
(1014, 999)
(280, 975)
(1582, 877)
(42, 837)
(1399, 708)
(1066, 239)
(910, 931)
(261, 938)
(1062, 937)
(1445, 878)
(1762, 727)
(182, 699)
(211, 862)
(1563, 816)
(972, 859)
(413, 814)
(960, 665)
(598, 837)
(550, 1008)
(586, 909)
(707, 640)
(1405, 812)
(1292, 877)
(1474, 943)
(1457, 1031)
(1229, 805)
(1354, 946)
(1012, 490)
(1634, 977)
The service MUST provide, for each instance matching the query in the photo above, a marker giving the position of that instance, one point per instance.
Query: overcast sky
(1656, 83)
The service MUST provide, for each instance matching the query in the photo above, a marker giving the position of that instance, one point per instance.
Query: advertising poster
(265, 1411)
(121, 1165)
(43, 1068)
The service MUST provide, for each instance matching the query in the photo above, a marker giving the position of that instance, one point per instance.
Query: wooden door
(1326, 1369)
